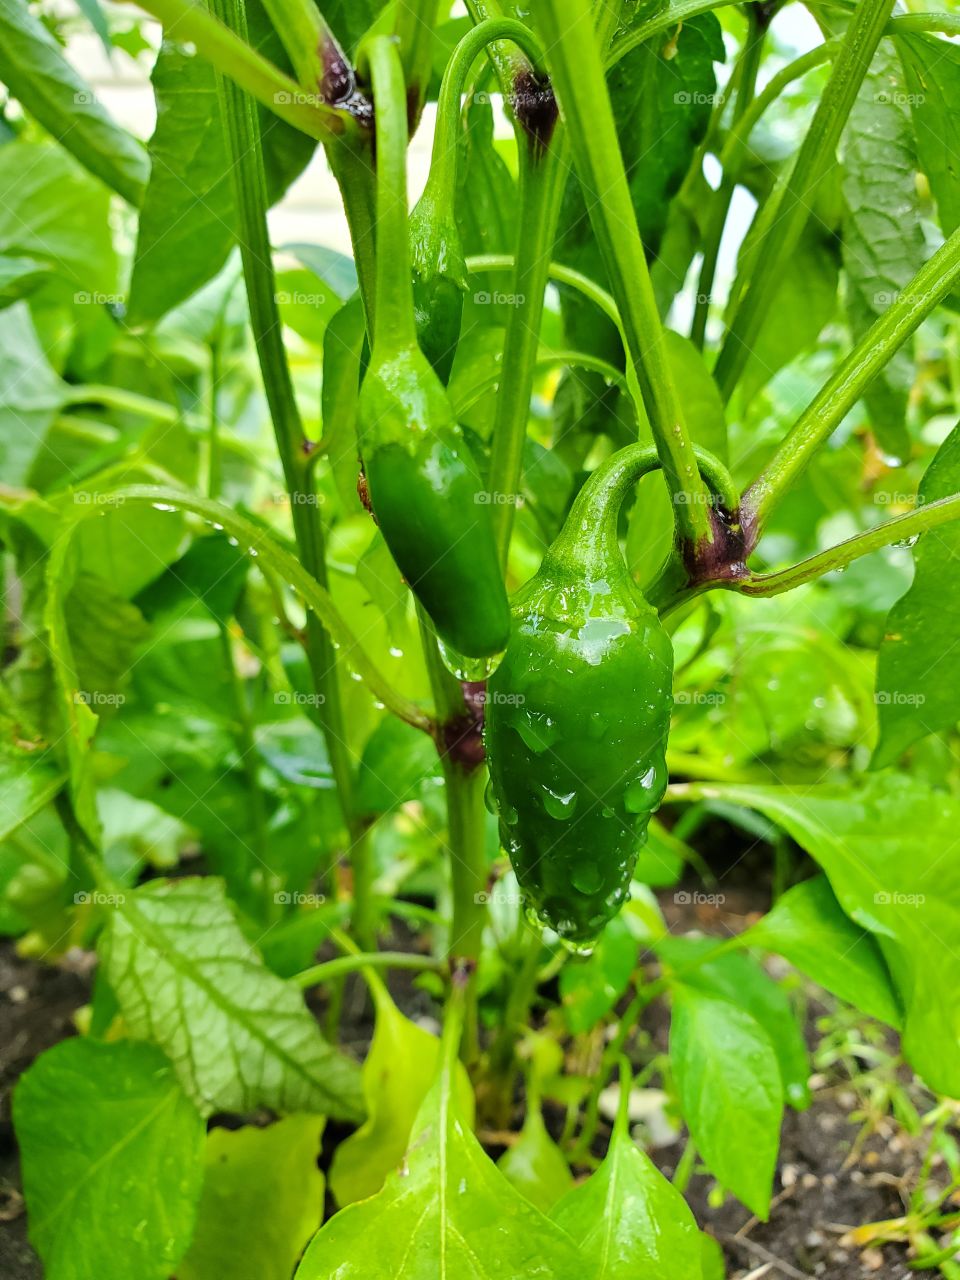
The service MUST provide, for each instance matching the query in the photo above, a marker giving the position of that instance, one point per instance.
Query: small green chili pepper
(423, 483)
(577, 716)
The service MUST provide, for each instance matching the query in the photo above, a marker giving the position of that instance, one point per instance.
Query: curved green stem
(231, 55)
(909, 525)
(886, 335)
(762, 270)
(260, 543)
(580, 81)
(509, 59)
(331, 969)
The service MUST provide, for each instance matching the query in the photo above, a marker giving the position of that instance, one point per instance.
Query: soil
(821, 1194)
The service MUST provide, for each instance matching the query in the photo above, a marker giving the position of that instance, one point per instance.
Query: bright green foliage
(535, 1164)
(729, 1082)
(112, 1161)
(262, 1201)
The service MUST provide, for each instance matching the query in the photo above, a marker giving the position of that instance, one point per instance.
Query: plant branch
(907, 526)
(331, 969)
(786, 214)
(886, 335)
(579, 79)
(414, 28)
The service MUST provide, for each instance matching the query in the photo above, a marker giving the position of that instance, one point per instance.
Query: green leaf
(714, 1266)
(342, 356)
(112, 1161)
(808, 927)
(397, 761)
(52, 210)
(397, 1073)
(883, 242)
(29, 780)
(591, 986)
(239, 1037)
(447, 1211)
(932, 69)
(740, 980)
(702, 404)
(262, 1201)
(886, 848)
(188, 218)
(535, 1165)
(805, 301)
(731, 1093)
(34, 69)
(19, 277)
(31, 394)
(628, 1220)
(917, 690)
(351, 18)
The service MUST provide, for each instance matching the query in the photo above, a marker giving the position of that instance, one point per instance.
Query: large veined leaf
(883, 242)
(397, 1073)
(808, 927)
(731, 1093)
(917, 689)
(889, 848)
(262, 1201)
(238, 1036)
(932, 69)
(35, 71)
(112, 1156)
(448, 1211)
(628, 1220)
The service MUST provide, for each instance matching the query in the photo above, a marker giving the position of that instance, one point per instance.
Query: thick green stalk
(885, 336)
(542, 178)
(747, 69)
(396, 327)
(580, 82)
(351, 163)
(231, 55)
(250, 191)
(466, 831)
(770, 254)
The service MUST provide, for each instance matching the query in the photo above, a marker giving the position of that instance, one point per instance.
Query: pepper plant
(418, 611)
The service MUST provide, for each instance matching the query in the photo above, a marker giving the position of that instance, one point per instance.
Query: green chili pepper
(424, 487)
(577, 716)
(439, 268)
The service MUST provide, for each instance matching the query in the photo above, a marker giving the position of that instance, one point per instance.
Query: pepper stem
(396, 326)
(589, 534)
